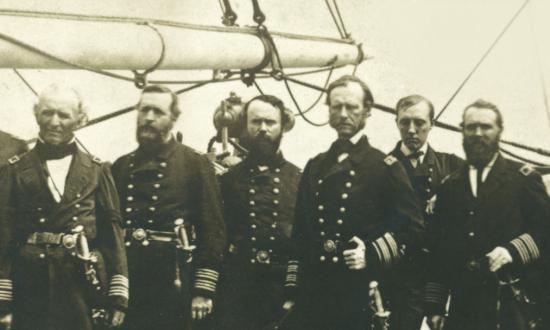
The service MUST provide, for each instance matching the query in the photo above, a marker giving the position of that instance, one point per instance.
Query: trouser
(250, 297)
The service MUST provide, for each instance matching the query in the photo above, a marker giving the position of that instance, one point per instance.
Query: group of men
(156, 241)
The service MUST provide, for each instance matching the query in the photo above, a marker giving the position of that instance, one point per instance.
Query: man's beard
(480, 150)
(261, 148)
(149, 136)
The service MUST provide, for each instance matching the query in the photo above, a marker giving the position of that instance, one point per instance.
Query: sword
(381, 317)
(183, 244)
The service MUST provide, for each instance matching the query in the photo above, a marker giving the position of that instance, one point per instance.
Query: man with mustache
(356, 216)
(48, 197)
(170, 202)
(425, 168)
(10, 146)
(259, 196)
(493, 216)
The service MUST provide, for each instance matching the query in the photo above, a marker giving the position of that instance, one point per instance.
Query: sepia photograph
(274, 165)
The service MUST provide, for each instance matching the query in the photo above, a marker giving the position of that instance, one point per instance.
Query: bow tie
(51, 152)
(341, 146)
(415, 155)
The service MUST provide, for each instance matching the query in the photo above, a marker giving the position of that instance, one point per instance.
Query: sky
(422, 47)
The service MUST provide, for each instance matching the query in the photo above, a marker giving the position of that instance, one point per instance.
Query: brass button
(130, 186)
(252, 191)
(274, 225)
(78, 195)
(277, 170)
(42, 220)
(344, 196)
(77, 205)
(348, 184)
(154, 197)
(150, 221)
(276, 201)
(152, 209)
(322, 233)
(160, 175)
(156, 185)
(128, 209)
(471, 234)
(335, 259)
(42, 256)
(252, 214)
(39, 209)
(275, 190)
(337, 235)
(252, 203)
(320, 181)
(322, 258)
(271, 238)
(253, 226)
(321, 207)
(276, 180)
(472, 212)
(75, 218)
(130, 198)
(321, 220)
(163, 164)
(342, 209)
(253, 239)
(128, 222)
(352, 173)
(340, 221)
(131, 165)
(275, 214)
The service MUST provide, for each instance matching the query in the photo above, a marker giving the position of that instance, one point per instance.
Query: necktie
(415, 157)
(51, 152)
(341, 146)
(479, 178)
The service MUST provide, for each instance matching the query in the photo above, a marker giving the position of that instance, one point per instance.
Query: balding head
(59, 111)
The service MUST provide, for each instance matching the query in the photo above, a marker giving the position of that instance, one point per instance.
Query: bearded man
(493, 219)
(259, 196)
(166, 187)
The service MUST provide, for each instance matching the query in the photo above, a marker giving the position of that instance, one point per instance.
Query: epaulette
(96, 160)
(526, 169)
(14, 160)
(390, 160)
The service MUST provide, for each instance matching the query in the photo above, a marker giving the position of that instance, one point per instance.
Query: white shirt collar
(354, 139)
(406, 151)
(473, 174)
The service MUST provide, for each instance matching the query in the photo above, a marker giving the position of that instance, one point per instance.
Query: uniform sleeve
(211, 231)
(405, 228)
(531, 245)
(298, 237)
(7, 214)
(110, 240)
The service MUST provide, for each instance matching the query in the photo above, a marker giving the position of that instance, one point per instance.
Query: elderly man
(425, 168)
(259, 195)
(171, 202)
(356, 215)
(60, 234)
(494, 227)
(10, 146)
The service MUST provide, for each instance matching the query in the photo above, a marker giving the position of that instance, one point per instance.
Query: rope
(335, 20)
(258, 87)
(539, 65)
(160, 22)
(346, 34)
(278, 74)
(314, 104)
(25, 82)
(487, 52)
(140, 79)
(525, 160)
(229, 16)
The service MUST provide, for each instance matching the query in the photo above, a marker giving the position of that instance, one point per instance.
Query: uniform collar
(276, 161)
(163, 150)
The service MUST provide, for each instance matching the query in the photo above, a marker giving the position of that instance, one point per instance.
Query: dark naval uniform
(10, 146)
(409, 277)
(367, 195)
(511, 210)
(259, 212)
(157, 192)
(50, 289)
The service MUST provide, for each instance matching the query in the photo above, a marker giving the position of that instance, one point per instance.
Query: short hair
(480, 103)
(270, 99)
(82, 108)
(345, 80)
(408, 101)
(174, 106)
